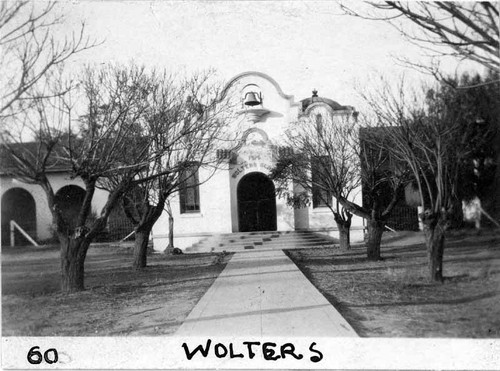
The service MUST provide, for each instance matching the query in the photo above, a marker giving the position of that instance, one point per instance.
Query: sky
(303, 45)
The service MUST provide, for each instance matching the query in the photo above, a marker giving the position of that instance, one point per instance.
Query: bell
(252, 99)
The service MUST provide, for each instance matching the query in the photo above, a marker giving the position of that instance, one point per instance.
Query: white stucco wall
(218, 192)
(322, 220)
(214, 215)
(43, 215)
(218, 196)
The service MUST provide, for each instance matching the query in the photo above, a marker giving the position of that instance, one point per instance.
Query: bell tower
(252, 103)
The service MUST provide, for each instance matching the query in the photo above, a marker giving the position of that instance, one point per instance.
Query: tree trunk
(170, 246)
(143, 230)
(73, 253)
(141, 246)
(343, 220)
(456, 219)
(435, 239)
(344, 236)
(374, 238)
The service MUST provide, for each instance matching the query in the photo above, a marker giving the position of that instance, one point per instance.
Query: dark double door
(256, 203)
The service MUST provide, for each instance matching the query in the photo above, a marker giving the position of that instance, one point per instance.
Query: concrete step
(273, 236)
(250, 241)
(218, 241)
(282, 245)
(250, 248)
(259, 242)
(250, 235)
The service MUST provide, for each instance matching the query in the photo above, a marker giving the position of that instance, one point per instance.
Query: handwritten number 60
(35, 357)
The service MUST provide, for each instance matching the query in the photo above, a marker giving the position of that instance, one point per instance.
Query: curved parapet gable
(341, 110)
(261, 75)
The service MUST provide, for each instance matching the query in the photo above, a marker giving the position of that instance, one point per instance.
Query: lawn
(393, 298)
(117, 299)
(389, 298)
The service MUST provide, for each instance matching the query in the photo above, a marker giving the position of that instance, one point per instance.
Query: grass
(393, 298)
(117, 299)
(389, 298)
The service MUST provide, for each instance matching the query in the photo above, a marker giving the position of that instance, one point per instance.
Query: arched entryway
(256, 203)
(18, 205)
(69, 199)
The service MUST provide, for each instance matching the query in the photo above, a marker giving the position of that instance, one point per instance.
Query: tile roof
(29, 150)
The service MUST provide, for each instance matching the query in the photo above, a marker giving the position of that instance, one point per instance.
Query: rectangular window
(189, 194)
(321, 195)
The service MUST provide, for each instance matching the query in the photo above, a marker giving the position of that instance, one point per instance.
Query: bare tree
(309, 190)
(186, 121)
(321, 165)
(429, 135)
(463, 30)
(31, 54)
(460, 30)
(108, 139)
(348, 158)
(384, 180)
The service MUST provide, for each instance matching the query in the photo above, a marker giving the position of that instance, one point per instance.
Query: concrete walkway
(263, 293)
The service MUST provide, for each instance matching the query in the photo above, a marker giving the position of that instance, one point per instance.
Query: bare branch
(31, 53)
(462, 30)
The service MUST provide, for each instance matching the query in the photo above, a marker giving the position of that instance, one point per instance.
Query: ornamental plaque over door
(255, 190)
(255, 153)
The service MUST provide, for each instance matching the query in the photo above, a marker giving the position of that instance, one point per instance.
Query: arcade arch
(69, 199)
(18, 205)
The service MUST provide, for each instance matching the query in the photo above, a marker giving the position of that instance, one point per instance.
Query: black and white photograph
(250, 184)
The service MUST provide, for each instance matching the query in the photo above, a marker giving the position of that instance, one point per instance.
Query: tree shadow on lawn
(133, 284)
(110, 298)
(359, 252)
(21, 280)
(367, 269)
(383, 298)
(403, 250)
(404, 255)
(329, 251)
(389, 237)
(470, 259)
(128, 281)
(463, 300)
(334, 262)
(406, 260)
(154, 271)
(403, 266)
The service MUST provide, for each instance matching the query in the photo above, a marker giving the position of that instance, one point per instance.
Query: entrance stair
(251, 241)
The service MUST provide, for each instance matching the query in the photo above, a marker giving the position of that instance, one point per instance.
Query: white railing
(489, 217)
(128, 235)
(390, 229)
(13, 226)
